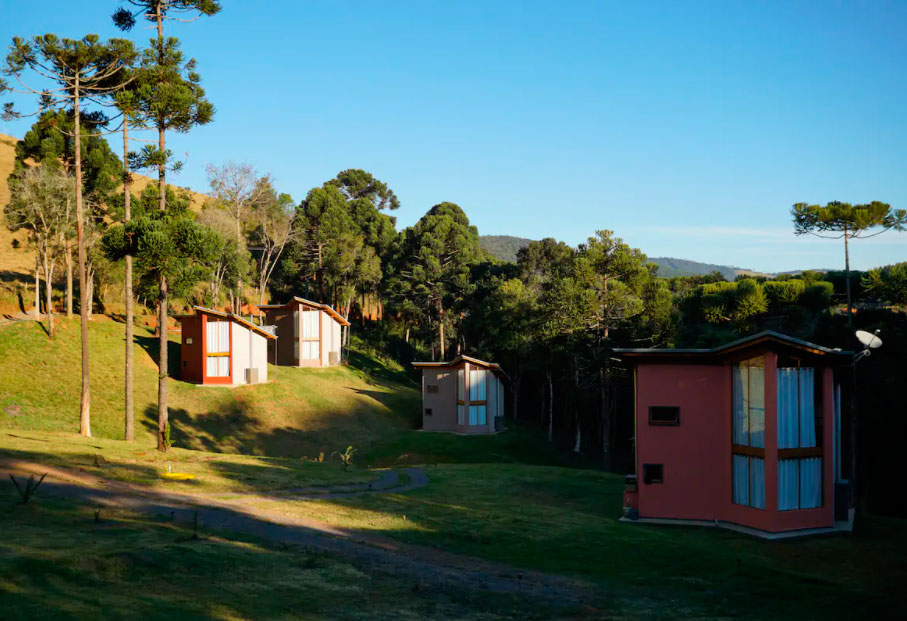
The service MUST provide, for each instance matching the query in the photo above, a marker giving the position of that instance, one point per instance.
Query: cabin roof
(298, 300)
(457, 361)
(231, 317)
(766, 337)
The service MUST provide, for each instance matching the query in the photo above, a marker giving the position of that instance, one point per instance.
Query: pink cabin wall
(697, 454)
(693, 452)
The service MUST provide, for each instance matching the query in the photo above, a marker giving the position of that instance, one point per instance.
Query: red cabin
(746, 435)
(222, 348)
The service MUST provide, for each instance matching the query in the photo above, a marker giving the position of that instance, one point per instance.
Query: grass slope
(301, 413)
(565, 521)
(62, 564)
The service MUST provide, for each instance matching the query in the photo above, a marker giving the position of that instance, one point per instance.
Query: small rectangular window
(652, 473)
(428, 411)
(664, 415)
(433, 388)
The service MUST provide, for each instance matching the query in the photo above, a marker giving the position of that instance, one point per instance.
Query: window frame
(747, 450)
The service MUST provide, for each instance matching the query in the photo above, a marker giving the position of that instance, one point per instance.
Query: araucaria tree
(432, 266)
(71, 71)
(42, 202)
(168, 248)
(50, 142)
(838, 220)
(170, 98)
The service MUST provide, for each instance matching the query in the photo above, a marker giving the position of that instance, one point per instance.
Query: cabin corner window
(748, 459)
(478, 403)
(799, 446)
(217, 344)
(664, 415)
(310, 346)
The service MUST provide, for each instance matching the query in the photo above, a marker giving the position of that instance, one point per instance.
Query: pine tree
(80, 69)
(170, 96)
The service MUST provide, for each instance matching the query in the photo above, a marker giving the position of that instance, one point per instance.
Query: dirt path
(421, 564)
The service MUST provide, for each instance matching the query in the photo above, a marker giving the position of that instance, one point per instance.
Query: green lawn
(302, 413)
(141, 464)
(61, 564)
(565, 521)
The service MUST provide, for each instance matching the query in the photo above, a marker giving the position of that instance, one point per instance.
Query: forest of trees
(551, 318)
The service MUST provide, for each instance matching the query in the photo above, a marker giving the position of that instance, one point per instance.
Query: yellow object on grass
(177, 476)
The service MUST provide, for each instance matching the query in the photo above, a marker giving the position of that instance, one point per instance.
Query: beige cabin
(309, 334)
(464, 395)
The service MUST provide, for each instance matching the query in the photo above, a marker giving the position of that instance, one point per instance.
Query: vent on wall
(652, 473)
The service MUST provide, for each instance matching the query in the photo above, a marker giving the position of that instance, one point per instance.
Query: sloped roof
(762, 338)
(456, 361)
(298, 300)
(210, 311)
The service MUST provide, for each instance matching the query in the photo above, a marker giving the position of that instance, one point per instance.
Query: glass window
(461, 385)
(749, 403)
(477, 385)
(799, 471)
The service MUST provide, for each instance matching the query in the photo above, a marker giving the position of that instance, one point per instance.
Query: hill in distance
(505, 247)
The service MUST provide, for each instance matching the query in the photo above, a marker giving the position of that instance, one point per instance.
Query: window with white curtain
(217, 343)
(461, 385)
(799, 451)
(749, 433)
(309, 349)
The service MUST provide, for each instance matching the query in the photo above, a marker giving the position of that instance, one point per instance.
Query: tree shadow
(151, 344)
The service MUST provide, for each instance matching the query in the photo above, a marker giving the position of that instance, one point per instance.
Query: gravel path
(421, 564)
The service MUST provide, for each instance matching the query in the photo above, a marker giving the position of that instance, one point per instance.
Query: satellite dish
(870, 341)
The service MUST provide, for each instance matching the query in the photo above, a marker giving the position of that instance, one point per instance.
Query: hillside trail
(223, 513)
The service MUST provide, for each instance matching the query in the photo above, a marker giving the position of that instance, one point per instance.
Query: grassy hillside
(17, 264)
(669, 267)
(503, 247)
(303, 412)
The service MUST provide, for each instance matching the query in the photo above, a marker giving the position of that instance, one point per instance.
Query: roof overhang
(201, 310)
(457, 362)
(763, 341)
(304, 302)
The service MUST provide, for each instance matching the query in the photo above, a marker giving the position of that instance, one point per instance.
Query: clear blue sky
(688, 128)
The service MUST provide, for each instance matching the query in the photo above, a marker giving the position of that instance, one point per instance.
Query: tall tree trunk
(90, 277)
(162, 413)
(441, 327)
(406, 338)
(37, 310)
(129, 406)
(67, 254)
(607, 457)
(162, 305)
(847, 276)
(48, 289)
(550, 407)
(577, 445)
(85, 403)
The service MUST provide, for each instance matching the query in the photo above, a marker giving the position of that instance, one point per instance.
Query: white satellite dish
(870, 341)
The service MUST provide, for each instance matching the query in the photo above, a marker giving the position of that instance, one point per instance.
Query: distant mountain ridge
(505, 247)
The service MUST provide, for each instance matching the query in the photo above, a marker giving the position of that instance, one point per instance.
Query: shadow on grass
(151, 344)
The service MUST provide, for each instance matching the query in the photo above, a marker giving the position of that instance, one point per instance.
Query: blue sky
(687, 128)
